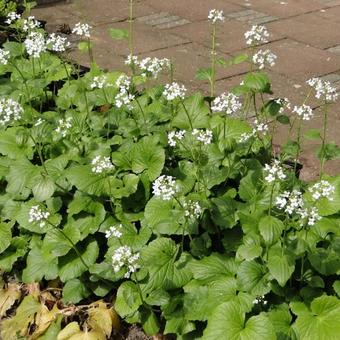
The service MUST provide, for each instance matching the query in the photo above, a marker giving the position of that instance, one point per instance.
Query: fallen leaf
(8, 297)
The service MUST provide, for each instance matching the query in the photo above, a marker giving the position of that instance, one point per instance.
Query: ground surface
(305, 35)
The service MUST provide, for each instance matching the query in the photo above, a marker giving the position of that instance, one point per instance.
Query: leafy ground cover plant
(168, 206)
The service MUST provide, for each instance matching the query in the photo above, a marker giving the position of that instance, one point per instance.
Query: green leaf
(250, 186)
(252, 277)
(321, 321)
(159, 258)
(204, 74)
(228, 322)
(118, 34)
(43, 188)
(83, 46)
(234, 61)
(5, 236)
(148, 155)
(9, 146)
(248, 252)
(257, 82)
(224, 212)
(270, 229)
(53, 330)
(329, 151)
(272, 108)
(336, 287)
(71, 266)
(283, 119)
(312, 134)
(213, 267)
(128, 299)
(74, 291)
(196, 109)
(281, 319)
(150, 323)
(40, 265)
(16, 250)
(328, 207)
(281, 268)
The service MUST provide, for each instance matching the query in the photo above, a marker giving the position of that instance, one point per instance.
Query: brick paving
(305, 35)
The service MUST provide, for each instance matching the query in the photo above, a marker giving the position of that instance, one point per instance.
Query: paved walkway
(305, 35)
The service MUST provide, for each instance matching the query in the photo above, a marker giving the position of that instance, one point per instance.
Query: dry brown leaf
(91, 335)
(8, 297)
(102, 318)
(71, 329)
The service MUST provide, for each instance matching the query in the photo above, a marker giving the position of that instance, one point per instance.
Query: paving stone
(230, 36)
(330, 2)
(332, 14)
(309, 29)
(163, 20)
(281, 8)
(334, 49)
(193, 10)
(252, 17)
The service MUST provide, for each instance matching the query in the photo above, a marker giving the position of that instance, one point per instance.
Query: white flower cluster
(35, 44)
(37, 215)
(175, 136)
(226, 102)
(153, 66)
(322, 189)
(311, 215)
(203, 136)
(11, 17)
(304, 111)
(173, 91)
(274, 172)
(63, 126)
(9, 110)
(290, 201)
(257, 35)
(30, 24)
(258, 127)
(114, 231)
(164, 187)
(39, 122)
(124, 257)
(99, 82)
(131, 60)
(192, 210)
(323, 89)
(263, 58)
(260, 299)
(284, 103)
(124, 97)
(4, 56)
(101, 164)
(82, 30)
(216, 15)
(57, 43)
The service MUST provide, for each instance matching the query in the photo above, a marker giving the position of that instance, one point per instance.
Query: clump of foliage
(172, 203)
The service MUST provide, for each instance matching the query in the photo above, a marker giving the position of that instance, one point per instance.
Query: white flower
(35, 44)
(9, 110)
(82, 30)
(99, 82)
(263, 58)
(173, 91)
(260, 299)
(274, 172)
(101, 164)
(131, 60)
(37, 215)
(153, 66)
(123, 82)
(323, 89)
(216, 15)
(311, 215)
(124, 257)
(258, 127)
(290, 201)
(57, 43)
(284, 103)
(226, 102)
(123, 98)
(11, 17)
(322, 189)
(175, 136)
(4, 56)
(164, 187)
(204, 136)
(257, 35)
(64, 126)
(114, 231)
(30, 24)
(304, 111)
(245, 137)
(192, 209)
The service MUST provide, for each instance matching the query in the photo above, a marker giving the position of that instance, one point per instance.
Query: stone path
(305, 35)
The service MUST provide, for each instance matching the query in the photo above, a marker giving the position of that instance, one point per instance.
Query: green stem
(213, 61)
(131, 27)
(187, 113)
(271, 198)
(324, 138)
(141, 110)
